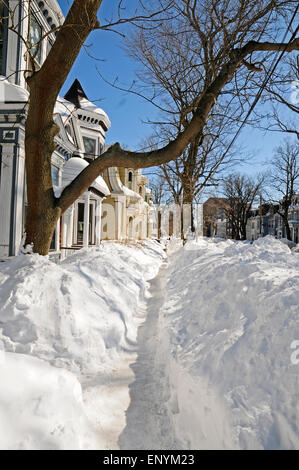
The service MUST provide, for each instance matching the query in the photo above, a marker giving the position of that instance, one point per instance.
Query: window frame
(39, 56)
(95, 140)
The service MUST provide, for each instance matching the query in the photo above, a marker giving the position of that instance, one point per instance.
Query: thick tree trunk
(288, 230)
(285, 218)
(42, 213)
(40, 130)
(188, 198)
(40, 226)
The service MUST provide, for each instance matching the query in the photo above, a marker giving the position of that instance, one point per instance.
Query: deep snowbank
(81, 316)
(232, 313)
(41, 407)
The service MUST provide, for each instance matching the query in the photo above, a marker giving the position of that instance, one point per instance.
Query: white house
(81, 139)
(126, 212)
(271, 223)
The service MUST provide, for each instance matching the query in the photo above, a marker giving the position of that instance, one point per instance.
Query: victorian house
(83, 128)
(266, 220)
(126, 213)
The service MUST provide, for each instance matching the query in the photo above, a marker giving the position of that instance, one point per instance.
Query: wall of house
(272, 223)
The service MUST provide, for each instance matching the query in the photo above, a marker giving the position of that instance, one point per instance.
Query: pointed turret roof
(76, 94)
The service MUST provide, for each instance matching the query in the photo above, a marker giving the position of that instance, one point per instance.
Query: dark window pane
(55, 176)
(90, 147)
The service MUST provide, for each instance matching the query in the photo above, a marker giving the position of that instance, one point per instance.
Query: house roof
(64, 108)
(12, 93)
(77, 96)
(73, 167)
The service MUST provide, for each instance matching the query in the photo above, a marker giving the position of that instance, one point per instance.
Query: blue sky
(125, 110)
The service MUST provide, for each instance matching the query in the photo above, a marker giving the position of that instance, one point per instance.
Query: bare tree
(283, 94)
(175, 73)
(240, 193)
(284, 179)
(159, 190)
(201, 164)
(228, 38)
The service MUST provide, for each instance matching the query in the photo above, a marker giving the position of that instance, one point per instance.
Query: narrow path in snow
(149, 423)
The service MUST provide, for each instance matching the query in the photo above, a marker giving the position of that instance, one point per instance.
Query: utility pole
(261, 214)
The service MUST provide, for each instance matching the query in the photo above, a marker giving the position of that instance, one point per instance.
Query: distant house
(294, 219)
(259, 222)
(127, 208)
(269, 222)
(214, 217)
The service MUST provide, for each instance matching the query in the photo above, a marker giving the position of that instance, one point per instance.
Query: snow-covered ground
(118, 347)
(67, 337)
(232, 313)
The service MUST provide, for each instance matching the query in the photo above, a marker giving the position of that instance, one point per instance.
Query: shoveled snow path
(169, 409)
(149, 420)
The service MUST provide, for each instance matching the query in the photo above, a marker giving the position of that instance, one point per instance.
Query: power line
(268, 76)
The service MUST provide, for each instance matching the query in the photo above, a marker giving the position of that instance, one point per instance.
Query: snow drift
(217, 364)
(79, 320)
(232, 313)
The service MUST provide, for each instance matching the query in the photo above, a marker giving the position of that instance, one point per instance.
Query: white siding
(5, 197)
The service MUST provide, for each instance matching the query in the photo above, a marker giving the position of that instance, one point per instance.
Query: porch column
(64, 229)
(117, 219)
(98, 222)
(57, 236)
(69, 235)
(86, 219)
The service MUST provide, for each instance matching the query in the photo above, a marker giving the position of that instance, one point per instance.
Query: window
(49, 46)
(55, 176)
(90, 147)
(140, 190)
(35, 37)
(69, 132)
(130, 179)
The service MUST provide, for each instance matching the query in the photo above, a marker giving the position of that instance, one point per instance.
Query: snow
(73, 167)
(87, 105)
(129, 192)
(287, 242)
(12, 93)
(232, 314)
(41, 407)
(118, 347)
(69, 326)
